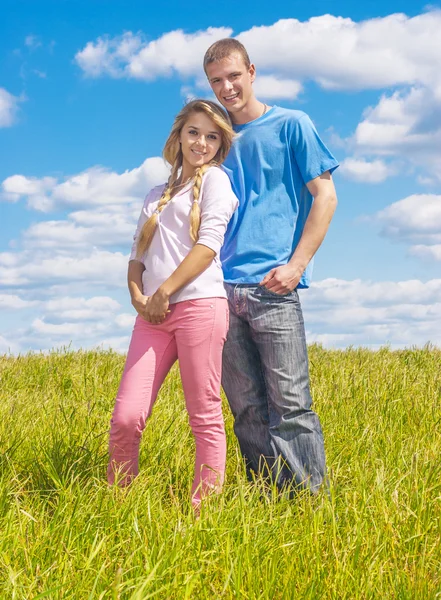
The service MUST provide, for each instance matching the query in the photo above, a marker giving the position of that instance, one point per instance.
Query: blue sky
(88, 91)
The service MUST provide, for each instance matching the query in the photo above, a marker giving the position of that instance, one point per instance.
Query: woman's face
(200, 141)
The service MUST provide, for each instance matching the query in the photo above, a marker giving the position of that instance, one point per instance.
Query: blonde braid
(195, 214)
(149, 227)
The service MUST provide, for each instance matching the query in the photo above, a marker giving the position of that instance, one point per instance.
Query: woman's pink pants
(194, 332)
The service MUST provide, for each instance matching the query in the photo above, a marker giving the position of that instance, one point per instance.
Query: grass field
(64, 534)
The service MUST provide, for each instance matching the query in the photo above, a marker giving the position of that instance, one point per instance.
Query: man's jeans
(266, 380)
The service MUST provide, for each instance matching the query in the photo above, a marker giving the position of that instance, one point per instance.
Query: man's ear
(252, 72)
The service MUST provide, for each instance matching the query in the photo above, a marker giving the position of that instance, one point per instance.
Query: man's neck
(250, 112)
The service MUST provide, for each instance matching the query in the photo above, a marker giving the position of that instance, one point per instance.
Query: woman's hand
(139, 303)
(156, 307)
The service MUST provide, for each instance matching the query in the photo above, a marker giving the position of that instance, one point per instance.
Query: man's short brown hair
(223, 49)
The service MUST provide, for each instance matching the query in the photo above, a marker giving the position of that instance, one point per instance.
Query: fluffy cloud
(339, 53)
(97, 268)
(364, 171)
(17, 186)
(96, 186)
(64, 321)
(432, 252)
(336, 52)
(32, 42)
(79, 309)
(11, 301)
(337, 312)
(340, 313)
(43, 334)
(132, 56)
(125, 321)
(8, 347)
(8, 108)
(415, 218)
(406, 124)
(269, 87)
(113, 226)
(389, 293)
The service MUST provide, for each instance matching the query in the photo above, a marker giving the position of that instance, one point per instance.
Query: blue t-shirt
(271, 160)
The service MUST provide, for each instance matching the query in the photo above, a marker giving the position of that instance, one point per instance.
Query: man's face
(231, 81)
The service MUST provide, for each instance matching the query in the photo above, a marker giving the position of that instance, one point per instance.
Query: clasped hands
(152, 308)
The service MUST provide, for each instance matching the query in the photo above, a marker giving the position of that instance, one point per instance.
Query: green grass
(64, 534)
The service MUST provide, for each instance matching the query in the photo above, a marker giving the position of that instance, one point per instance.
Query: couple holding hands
(219, 253)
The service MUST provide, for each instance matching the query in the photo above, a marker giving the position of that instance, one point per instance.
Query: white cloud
(117, 343)
(8, 108)
(415, 218)
(432, 252)
(96, 186)
(113, 226)
(339, 53)
(364, 171)
(406, 124)
(97, 268)
(67, 321)
(79, 251)
(70, 330)
(9, 259)
(270, 87)
(66, 307)
(337, 312)
(8, 347)
(131, 56)
(332, 291)
(399, 119)
(125, 321)
(340, 313)
(14, 302)
(16, 186)
(336, 52)
(58, 259)
(80, 309)
(40, 74)
(32, 42)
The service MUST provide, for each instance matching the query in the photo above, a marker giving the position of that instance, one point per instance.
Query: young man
(281, 172)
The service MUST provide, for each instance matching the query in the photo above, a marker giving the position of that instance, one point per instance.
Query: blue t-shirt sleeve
(312, 156)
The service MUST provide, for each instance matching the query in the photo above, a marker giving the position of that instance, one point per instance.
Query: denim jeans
(265, 377)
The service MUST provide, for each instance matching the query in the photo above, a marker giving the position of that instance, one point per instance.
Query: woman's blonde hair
(172, 153)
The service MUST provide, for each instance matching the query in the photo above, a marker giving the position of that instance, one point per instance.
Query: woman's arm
(197, 260)
(134, 282)
(218, 203)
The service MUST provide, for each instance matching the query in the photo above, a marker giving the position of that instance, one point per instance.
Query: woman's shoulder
(216, 173)
(216, 179)
(216, 186)
(155, 193)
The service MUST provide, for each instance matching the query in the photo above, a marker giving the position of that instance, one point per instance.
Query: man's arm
(285, 278)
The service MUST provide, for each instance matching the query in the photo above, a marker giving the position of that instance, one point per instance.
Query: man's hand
(282, 280)
(157, 307)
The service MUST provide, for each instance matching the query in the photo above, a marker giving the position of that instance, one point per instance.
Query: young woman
(176, 285)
